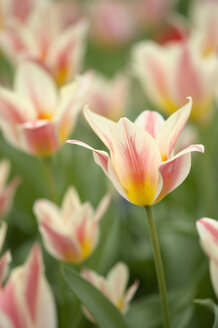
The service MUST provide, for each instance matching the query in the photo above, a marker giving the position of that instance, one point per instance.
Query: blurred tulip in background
(36, 117)
(70, 233)
(26, 300)
(113, 287)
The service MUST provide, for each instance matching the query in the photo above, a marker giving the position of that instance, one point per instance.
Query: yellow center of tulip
(86, 248)
(140, 193)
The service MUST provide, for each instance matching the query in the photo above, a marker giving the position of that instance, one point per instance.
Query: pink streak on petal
(102, 126)
(210, 228)
(9, 112)
(9, 305)
(40, 137)
(188, 81)
(171, 130)
(62, 246)
(157, 72)
(175, 171)
(32, 281)
(150, 122)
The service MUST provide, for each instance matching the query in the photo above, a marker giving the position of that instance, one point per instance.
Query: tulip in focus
(142, 165)
(172, 72)
(109, 97)
(208, 232)
(6, 190)
(113, 287)
(70, 233)
(26, 300)
(4, 259)
(45, 39)
(37, 117)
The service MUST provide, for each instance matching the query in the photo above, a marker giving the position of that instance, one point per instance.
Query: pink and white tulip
(113, 287)
(172, 72)
(112, 23)
(70, 233)
(37, 117)
(6, 190)
(4, 259)
(13, 9)
(208, 232)
(205, 27)
(142, 165)
(109, 97)
(46, 39)
(26, 300)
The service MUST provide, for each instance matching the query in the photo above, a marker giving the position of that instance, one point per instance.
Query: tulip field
(108, 164)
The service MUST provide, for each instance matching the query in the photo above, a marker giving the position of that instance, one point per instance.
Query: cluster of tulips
(175, 64)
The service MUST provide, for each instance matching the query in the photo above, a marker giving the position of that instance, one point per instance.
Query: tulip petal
(102, 159)
(39, 137)
(72, 100)
(57, 239)
(60, 246)
(171, 129)
(102, 207)
(5, 321)
(208, 232)
(34, 268)
(188, 80)
(36, 85)
(150, 122)
(129, 295)
(135, 159)
(102, 126)
(117, 279)
(152, 64)
(208, 229)
(175, 170)
(14, 108)
(65, 56)
(71, 202)
(6, 196)
(214, 276)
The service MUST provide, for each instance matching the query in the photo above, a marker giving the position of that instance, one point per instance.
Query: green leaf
(105, 313)
(212, 307)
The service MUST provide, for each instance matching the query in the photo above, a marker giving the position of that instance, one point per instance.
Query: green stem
(159, 266)
(47, 168)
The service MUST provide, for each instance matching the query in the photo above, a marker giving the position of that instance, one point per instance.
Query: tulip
(20, 10)
(70, 233)
(112, 24)
(208, 231)
(26, 300)
(172, 72)
(150, 12)
(142, 165)
(205, 27)
(45, 39)
(6, 190)
(6, 258)
(113, 287)
(37, 117)
(109, 97)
